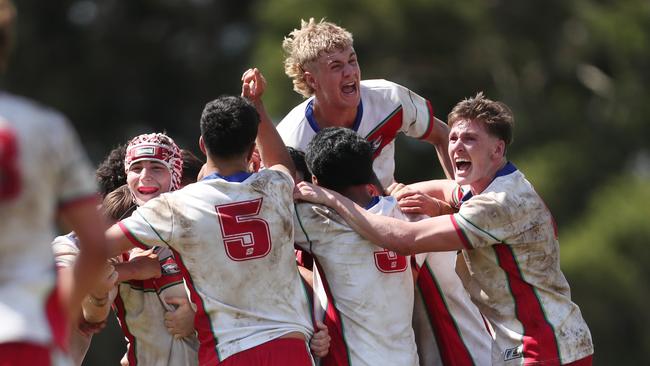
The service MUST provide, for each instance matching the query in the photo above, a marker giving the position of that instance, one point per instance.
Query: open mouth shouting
(350, 89)
(462, 166)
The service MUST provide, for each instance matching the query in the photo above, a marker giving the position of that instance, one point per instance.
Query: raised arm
(431, 235)
(439, 138)
(272, 150)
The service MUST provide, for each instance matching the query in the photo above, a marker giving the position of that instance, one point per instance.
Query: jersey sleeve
(151, 224)
(65, 250)
(75, 178)
(417, 114)
(483, 221)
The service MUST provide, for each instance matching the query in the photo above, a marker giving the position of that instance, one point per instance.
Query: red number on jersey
(244, 235)
(9, 172)
(388, 261)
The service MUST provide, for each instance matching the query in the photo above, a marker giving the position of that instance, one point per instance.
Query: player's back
(234, 241)
(365, 290)
(41, 168)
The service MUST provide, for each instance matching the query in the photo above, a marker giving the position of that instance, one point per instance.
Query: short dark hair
(191, 167)
(495, 116)
(229, 126)
(339, 158)
(110, 173)
(298, 157)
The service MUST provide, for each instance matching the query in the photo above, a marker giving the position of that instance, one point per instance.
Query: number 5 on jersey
(245, 236)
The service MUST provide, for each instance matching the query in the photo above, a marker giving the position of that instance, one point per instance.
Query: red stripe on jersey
(453, 350)
(120, 310)
(208, 351)
(57, 319)
(461, 234)
(132, 237)
(385, 132)
(539, 343)
(92, 199)
(338, 355)
(432, 120)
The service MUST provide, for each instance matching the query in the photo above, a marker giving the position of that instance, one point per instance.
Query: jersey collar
(509, 168)
(373, 201)
(237, 177)
(309, 114)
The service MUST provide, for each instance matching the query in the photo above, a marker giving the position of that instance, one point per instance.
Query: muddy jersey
(233, 240)
(385, 110)
(513, 274)
(42, 169)
(449, 329)
(365, 291)
(140, 307)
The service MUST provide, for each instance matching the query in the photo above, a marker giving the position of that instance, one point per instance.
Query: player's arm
(116, 241)
(439, 138)
(97, 303)
(84, 219)
(430, 235)
(141, 266)
(430, 198)
(272, 150)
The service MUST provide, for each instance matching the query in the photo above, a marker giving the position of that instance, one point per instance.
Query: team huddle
(287, 246)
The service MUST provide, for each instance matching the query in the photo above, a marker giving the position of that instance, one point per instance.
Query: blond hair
(306, 44)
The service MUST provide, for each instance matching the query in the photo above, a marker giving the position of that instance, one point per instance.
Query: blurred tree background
(574, 72)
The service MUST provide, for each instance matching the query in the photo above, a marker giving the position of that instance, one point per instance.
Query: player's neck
(358, 194)
(332, 116)
(226, 167)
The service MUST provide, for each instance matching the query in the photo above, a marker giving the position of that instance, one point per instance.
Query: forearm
(386, 232)
(96, 308)
(439, 138)
(441, 189)
(271, 147)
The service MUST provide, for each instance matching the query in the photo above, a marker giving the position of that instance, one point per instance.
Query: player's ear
(202, 145)
(314, 180)
(372, 190)
(310, 79)
(499, 149)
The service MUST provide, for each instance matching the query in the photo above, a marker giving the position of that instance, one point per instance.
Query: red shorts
(278, 352)
(18, 353)
(582, 362)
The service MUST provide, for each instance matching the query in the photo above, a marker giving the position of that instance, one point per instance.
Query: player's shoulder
(295, 118)
(24, 111)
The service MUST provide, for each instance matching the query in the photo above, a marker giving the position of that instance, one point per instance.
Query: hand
(394, 188)
(311, 193)
(253, 85)
(146, 262)
(415, 202)
(180, 322)
(320, 342)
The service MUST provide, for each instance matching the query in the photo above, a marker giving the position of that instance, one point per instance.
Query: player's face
(475, 154)
(148, 179)
(336, 78)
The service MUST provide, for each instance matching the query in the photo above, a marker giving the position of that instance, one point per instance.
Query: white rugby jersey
(449, 330)
(385, 110)
(66, 250)
(365, 291)
(513, 274)
(140, 307)
(233, 239)
(42, 169)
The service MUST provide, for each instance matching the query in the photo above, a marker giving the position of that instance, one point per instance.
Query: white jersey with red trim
(449, 329)
(233, 239)
(385, 110)
(42, 168)
(513, 274)
(140, 307)
(66, 250)
(365, 291)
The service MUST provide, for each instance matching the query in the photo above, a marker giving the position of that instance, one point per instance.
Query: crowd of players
(268, 255)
